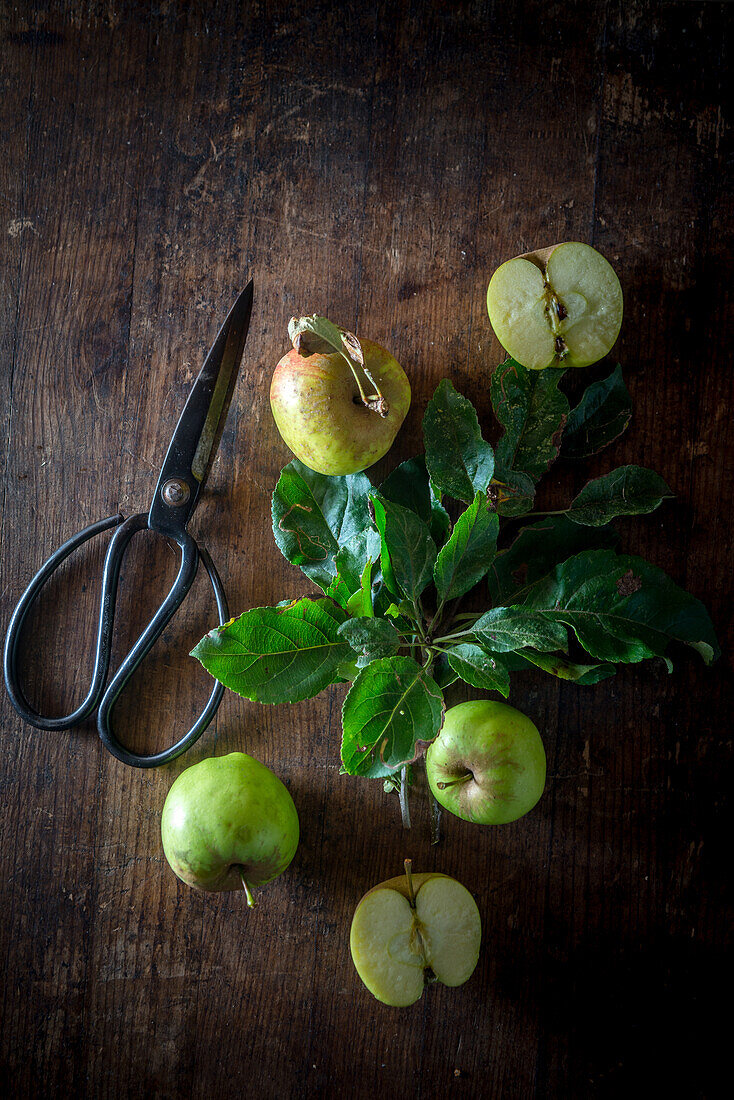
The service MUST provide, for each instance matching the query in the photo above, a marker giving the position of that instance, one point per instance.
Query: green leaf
(400, 610)
(533, 412)
(512, 493)
(536, 550)
(440, 524)
(503, 629)
(340, 592)
(360, 602)
(278, 654)
(480, 669)
(459, 460)
(408, 551)
(622, 608)
(370, 638)
(442, 672)
(408, 485)
(627, 491)
(469, 552)
(352, 559)
(391, 710)
(314, 515)
(564, 669)
(601, 415)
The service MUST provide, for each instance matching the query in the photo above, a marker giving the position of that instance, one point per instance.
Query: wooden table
(373, 163)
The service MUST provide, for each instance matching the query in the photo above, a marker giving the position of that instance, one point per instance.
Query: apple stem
(404, 807)
(375, 402)
(452, 782)
(251, 903)
(408, 864)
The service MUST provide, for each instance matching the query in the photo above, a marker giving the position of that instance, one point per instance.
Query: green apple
(322, 402)
(412, 930)
(487, 764)
(229, 823)
(557, 307)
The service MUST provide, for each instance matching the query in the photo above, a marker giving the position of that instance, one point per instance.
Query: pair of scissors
(182, 476)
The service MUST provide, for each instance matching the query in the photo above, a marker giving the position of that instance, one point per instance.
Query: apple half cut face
(399, 947)
(557, 307)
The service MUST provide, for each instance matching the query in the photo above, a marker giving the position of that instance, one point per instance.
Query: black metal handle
(104, 637)
(126, 528)
(143, 645)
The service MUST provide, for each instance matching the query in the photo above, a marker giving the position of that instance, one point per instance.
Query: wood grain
(375, 165)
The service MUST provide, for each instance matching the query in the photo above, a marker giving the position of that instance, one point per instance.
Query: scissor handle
(115, 551)
(104, 637)
(190, 554)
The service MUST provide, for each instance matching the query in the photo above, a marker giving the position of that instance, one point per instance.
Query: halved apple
(412, 930)
(560, 306)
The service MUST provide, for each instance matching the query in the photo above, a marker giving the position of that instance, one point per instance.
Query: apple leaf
(440, 520)
(314, 515)
(360, 603)
(278, 654)
(564, 669)
(459, 460)
(351, 560)
(314, 335)
(533, 412)
(512, 492)
(504, 629)
(340, 592)
(480, 669)
(392, 709)
(469, 552)
(622, 608)
(537, 549)
(408, 485)
(601, 415)
(408, 551)
(401, 615)
(627, 491)
(442, 672)
(371, 638)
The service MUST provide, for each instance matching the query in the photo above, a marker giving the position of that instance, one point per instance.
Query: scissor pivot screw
(175, 492)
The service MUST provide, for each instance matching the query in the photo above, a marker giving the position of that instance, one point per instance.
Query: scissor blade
(199, 429)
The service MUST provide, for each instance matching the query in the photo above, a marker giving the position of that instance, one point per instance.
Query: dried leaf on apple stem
(314, 335)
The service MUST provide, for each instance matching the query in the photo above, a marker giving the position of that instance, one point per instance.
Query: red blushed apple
(321, 415)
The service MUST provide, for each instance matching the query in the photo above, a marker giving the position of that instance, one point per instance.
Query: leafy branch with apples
(396, 561)
(445, 571)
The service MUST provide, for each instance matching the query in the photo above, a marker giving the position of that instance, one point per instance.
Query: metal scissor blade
(199, 429)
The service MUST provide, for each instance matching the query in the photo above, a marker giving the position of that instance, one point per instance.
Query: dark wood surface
(373, 163)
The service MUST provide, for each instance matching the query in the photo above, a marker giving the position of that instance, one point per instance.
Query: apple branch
(435, 820)
(404, 807)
